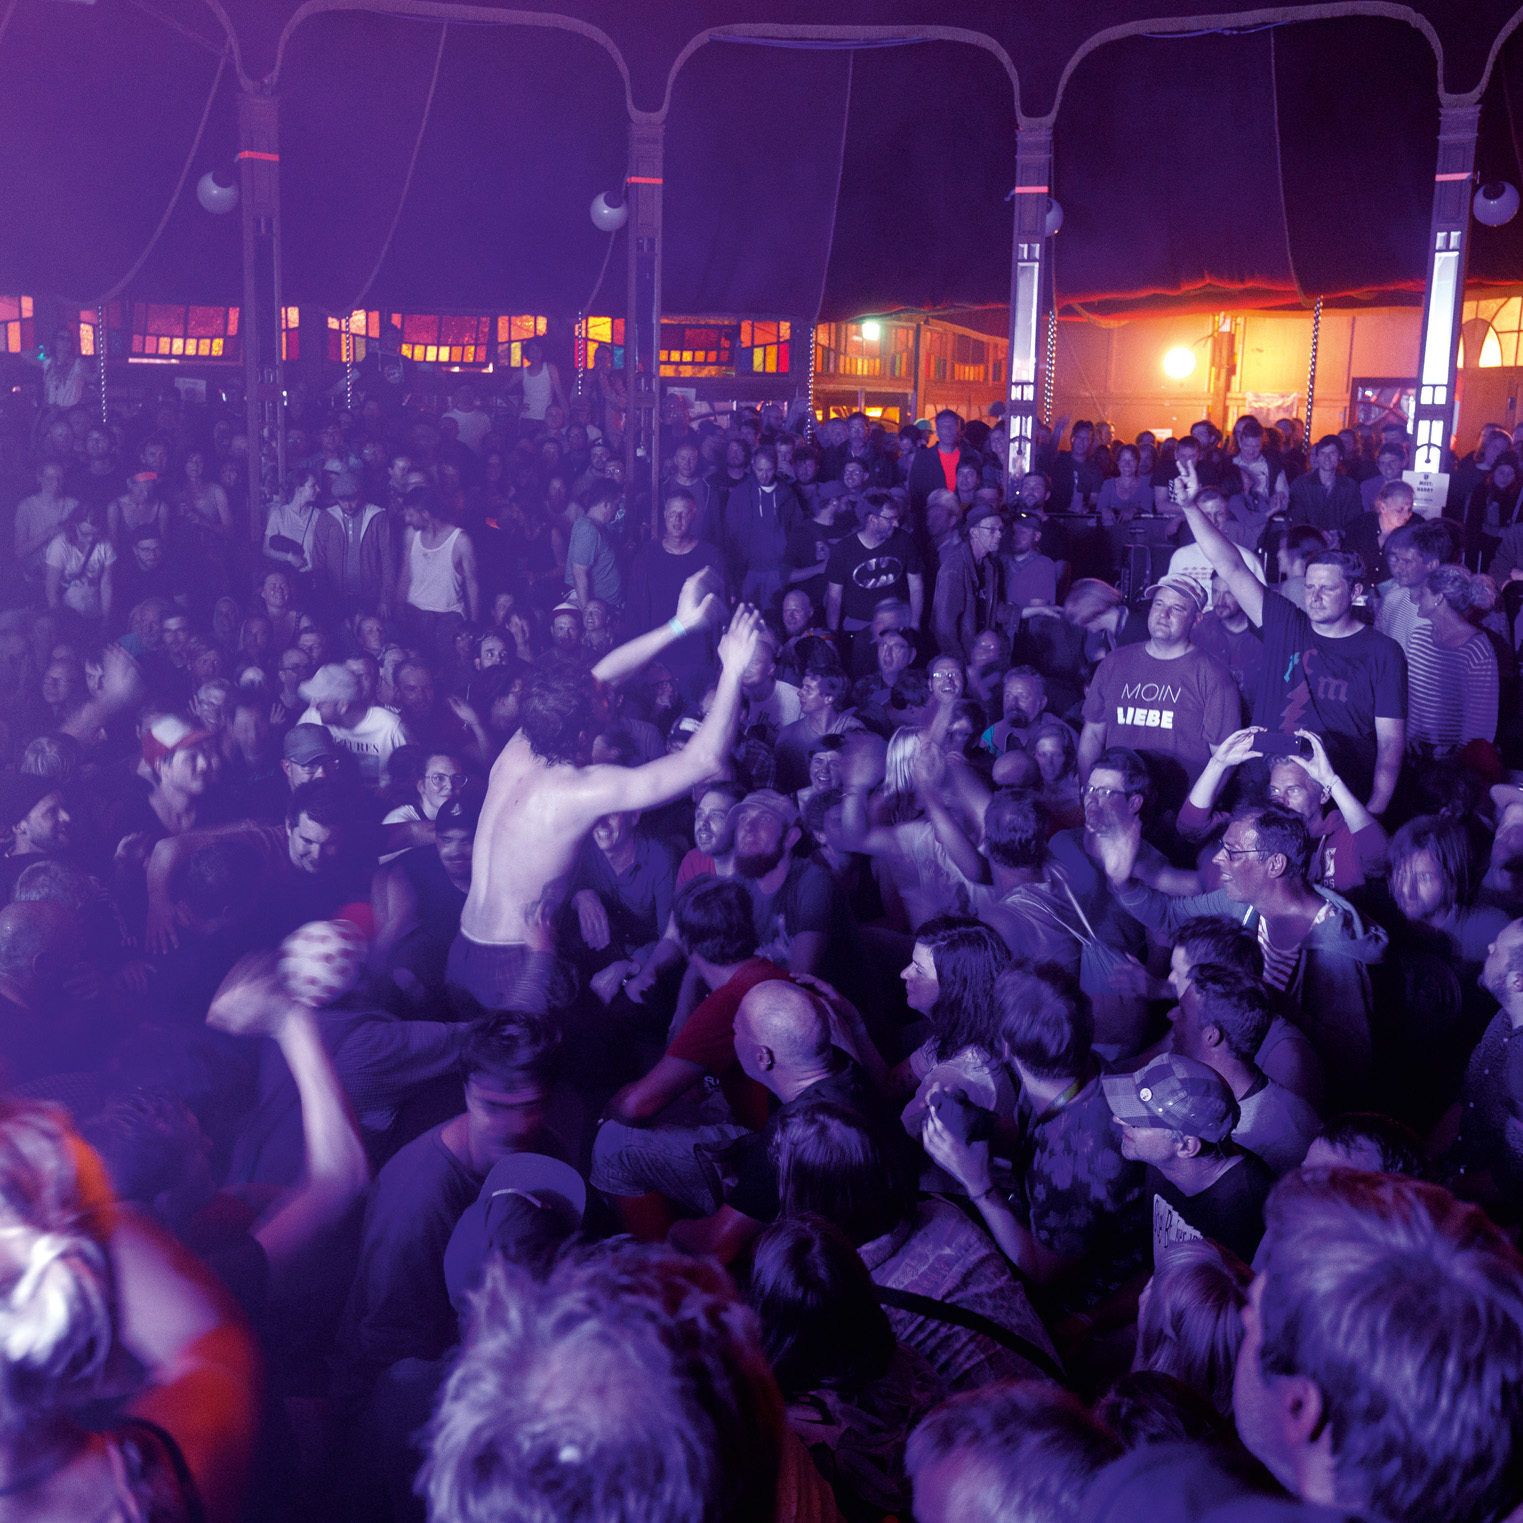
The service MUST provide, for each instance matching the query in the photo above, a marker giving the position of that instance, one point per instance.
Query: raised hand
(966, 1162)
(928, 767)
(121, 679)
(1238, 747)
(698, 604)
(738, 643)
(1317, 766)
(1116, 848)
(250, 1001)
(1189, 480)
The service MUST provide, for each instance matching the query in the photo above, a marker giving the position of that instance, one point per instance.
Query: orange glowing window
(170, 331)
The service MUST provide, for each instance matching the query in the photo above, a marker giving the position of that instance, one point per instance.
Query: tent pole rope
(158, 232)
(412, 164)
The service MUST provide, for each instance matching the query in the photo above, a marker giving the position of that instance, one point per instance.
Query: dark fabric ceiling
(1285, 157)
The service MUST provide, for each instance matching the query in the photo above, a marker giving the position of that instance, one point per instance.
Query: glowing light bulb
(1179, 363)
(872, 331)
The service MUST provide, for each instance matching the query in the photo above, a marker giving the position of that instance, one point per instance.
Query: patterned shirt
(1084, 1200)
(939, 1253)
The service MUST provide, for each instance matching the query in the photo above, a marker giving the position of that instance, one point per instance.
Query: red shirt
(708, 1039)
(694, 865)
(950, 460)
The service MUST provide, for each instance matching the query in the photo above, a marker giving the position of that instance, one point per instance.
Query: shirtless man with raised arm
(541, 802)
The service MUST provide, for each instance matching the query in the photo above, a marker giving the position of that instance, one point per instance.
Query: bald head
(39, 942)
(781, 1032)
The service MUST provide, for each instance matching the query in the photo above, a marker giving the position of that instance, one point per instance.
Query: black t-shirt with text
(1337, 686)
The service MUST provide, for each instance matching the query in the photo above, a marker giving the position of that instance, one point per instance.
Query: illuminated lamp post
(1037, 217)
(1444, 295)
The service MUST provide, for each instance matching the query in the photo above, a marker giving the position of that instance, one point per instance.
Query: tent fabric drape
(778, 185)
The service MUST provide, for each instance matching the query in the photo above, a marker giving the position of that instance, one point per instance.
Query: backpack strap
(975, 1322)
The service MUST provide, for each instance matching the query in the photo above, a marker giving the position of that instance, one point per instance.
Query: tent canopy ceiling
(828, 158)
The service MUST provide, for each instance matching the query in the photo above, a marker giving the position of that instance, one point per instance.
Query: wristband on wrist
(676, 626)
(984, 1194)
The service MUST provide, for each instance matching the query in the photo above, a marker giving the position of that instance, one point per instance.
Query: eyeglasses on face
(1232, 853)
(1101, 794)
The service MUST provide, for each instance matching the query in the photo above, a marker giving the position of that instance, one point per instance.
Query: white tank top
(435, 584)
(539, 391)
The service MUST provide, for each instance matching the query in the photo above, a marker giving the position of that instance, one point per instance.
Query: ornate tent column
(1030, 251)
(642, 323)
(1448, 242)
(259, 326)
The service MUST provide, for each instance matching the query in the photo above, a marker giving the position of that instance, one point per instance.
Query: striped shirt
(1397, 615)
(1451, 694)
(1280, 966)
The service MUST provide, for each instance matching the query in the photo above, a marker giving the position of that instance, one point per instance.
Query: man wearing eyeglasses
(970, 587)
(879, 561)
(1317, 947)
(1165, 698)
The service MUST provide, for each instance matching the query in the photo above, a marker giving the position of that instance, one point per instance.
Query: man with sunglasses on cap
(367, 731)
(1177, 1117)
(1165, 697)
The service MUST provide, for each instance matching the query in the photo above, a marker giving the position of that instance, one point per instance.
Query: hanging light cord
(158, 232)
(417, 147)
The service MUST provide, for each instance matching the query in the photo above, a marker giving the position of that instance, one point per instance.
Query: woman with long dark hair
(950, 980)
(853, 1392)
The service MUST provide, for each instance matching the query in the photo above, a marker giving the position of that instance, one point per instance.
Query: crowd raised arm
(850, 986)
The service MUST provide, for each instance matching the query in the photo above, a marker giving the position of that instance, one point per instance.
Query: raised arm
(606, 789)
(1225, 760)
(166, 856)
(929, 769)
(860, 773)
(698, 605)
(337, 1170)
(1320, 770)
(121, 688)
(1227, 563)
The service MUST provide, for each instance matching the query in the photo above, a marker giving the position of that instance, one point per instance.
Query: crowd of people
(853, 989)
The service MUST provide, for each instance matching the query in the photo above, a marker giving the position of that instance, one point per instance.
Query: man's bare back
(538, 812)
(536, 816)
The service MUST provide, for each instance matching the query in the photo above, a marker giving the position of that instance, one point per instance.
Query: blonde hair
(57, 1315)
(898, 776)
(1192, 1325)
